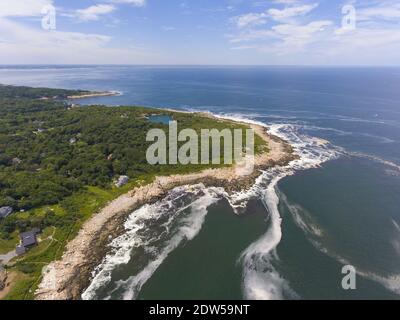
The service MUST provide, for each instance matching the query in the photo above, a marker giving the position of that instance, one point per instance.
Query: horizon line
(204, 65)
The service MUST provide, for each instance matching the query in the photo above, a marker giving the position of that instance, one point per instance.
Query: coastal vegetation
(59, 162)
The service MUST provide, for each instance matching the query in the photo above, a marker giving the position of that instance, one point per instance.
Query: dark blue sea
(290, 235)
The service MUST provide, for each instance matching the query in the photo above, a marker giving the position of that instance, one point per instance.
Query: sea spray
(156, 230)
(261, 279)
(152, 233)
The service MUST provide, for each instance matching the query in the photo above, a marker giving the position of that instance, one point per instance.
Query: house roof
(29, 238)
(5, 212)
(20, 250)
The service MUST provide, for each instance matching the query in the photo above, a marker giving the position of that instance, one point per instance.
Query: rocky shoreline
(67, 278)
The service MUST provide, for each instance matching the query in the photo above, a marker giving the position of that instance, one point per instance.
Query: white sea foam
(376, 159)
(315, 236)
(303, 219)
(191, 226)
(396, 237)
(262, 253)
(156, 229)
(392, 282)
(396, 225)
(312, 155)
(261, 279)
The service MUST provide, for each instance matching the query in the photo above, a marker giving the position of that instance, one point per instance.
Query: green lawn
(7, 245)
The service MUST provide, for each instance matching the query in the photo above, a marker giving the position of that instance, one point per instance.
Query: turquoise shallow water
(163, 119)
(345, 211)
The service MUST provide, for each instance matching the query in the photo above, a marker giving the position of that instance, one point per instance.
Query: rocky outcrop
(67, 278)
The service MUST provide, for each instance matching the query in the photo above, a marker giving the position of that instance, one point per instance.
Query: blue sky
(274, 32)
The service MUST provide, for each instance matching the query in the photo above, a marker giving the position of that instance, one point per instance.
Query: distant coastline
(95, 94)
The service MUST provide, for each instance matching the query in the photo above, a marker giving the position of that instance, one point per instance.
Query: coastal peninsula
(72, 158)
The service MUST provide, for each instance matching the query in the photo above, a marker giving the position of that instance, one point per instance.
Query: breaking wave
(377, 159)
(261, 278)
(152, 233)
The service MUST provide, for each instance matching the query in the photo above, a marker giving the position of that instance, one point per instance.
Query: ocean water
(289, 236)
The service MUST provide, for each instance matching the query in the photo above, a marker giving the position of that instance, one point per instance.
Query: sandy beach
(68, 277)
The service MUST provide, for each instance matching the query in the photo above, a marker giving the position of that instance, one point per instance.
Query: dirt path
(8, 284)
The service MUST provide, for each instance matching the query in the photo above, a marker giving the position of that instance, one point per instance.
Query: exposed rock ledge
(67, 278)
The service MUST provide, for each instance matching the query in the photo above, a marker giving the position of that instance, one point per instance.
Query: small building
(28, 239)
(20, 250)
(122, 180)
(5, 212)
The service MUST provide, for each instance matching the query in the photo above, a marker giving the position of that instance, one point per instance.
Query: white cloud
(94, 12)
(22, 44)
(297, 37)
(290, 35)
(290, 12)
(22, 8)
(379, 46)
(383, 11)
(362, 38)
(19, 34)
(302, 30)
(285, 1)
(291, 32)
(250, 19)
(137, 3)
(295, 41)
(283, 38)
(257, 19)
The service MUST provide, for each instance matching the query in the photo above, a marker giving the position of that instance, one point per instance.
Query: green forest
(58, 162)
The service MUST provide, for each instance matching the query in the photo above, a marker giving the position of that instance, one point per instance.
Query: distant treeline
(14, 92)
